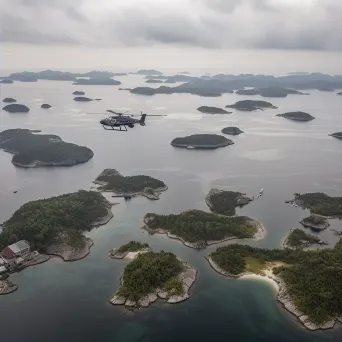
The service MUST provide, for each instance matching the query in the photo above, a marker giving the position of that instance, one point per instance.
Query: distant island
(16, 108)
(231, 130)
(212, 110)
(202, 141)
(96, 81)
(315, 222)
(149, 72)
(270, 92)
(151, 275)
(320, 203)
(250, 105)
(339, 93)
(130, 186)
(308, 282)
(297, 116)
(129, 250)
(337, 135)
(198, 229)
(78, 93)
(154, 81)
(35, 150)
(9, 100)
(224, 202)
(82, 99)
(330, 90)
(55, 225)
(299, 239)
(6, 81)
(45, 106)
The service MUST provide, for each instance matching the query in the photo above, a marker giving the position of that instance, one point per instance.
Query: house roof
(19, 246)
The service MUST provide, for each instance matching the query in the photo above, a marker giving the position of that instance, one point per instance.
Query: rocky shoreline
(6, 287)
(283, 297)
(187, 276)
(39, 163)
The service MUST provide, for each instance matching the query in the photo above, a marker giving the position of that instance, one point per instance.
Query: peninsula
(299, 239)
(315, 222)
(224, 202)
(320, 203)
(337, 135)
(308, 282)
(35, 150)
(231, 130)
(55, 225)
(130, 186)
(151, 275)
(202, 141)
(16, 108)
(250, 105)
(198, 229)
(297, 116)
(212, 110)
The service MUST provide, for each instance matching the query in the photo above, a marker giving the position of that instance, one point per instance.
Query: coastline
(6, 287)
(283, 296)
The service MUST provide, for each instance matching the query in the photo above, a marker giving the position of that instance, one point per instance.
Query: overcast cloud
(274, 24)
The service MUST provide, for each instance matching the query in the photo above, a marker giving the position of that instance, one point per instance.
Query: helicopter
(119, 121)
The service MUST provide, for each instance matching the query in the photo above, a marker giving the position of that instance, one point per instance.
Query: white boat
(261, 191)
(190, 147)
(295, 205)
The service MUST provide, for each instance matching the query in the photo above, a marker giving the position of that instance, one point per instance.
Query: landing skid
(122, 129)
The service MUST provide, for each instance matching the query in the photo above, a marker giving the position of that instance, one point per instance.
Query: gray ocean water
(59, 301)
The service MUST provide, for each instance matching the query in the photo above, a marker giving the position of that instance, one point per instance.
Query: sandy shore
(283, 297)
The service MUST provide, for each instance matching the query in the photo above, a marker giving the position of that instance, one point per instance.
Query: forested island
(152, 81)
(202, 141)
(152, 275)
(131, 247)
(130, 186)
(270, 92)
(45, 106)
(149, 72)
(198, 229)
(231, 130)
(320, 203)
(250, 105)
(9, 100)
(16, 108)
(224, 202)
(78, 93)
(212, 110)
(337, 135)
(299, 239)
(315, 222)
(35, 150)
(55, 225)
(310, 282)
(297, 116)
(82, 99)
(96, 81)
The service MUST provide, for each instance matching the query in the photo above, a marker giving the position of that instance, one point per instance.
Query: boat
(295, 205)
(190, 147)
(261, 191)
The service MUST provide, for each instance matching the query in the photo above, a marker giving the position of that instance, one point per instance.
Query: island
(130, 186)
(6, 81)
(78, 93)
(153, 81)
(16, 108)
(55, 225)
(250, 105)
(308, 282)
(224, 202)
(297, 116)
(198, 229)
(339, 93)
(329, 90)
(35, 150)
(248, 92)
(299, 239)
(315, 222)
(337, 135)
(231, 130)
(270, 92)
(9, 100)
(45, 106)
(212, 110)
(202, 141)
(82, 99)
(151, 275)
(320, 203)
(96, 81)
(129, 250)
(149, 72)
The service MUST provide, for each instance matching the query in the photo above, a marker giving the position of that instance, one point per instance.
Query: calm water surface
(59, 301)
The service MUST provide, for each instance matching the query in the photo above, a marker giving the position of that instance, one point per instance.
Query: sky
(240, 35)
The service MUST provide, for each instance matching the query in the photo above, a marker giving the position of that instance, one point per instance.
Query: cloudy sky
(171, 33)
